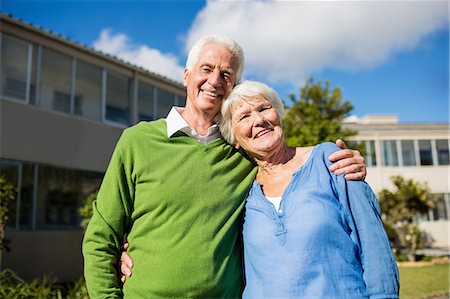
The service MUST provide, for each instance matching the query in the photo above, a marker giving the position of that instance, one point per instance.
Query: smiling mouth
(212, 94)
(263, 132)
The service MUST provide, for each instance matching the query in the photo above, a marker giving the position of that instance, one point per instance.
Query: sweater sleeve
(107, 227)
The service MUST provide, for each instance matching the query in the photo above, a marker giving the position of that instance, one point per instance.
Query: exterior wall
(437, 177)
(34, 254)
(32, 134)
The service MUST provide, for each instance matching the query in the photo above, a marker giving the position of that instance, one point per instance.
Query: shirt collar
(176, 122)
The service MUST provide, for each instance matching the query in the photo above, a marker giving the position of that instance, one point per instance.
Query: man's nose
(214, 78)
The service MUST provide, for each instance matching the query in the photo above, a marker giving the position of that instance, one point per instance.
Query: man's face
(211, 79)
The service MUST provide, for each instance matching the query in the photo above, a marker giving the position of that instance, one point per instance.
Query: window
(440, 212)
(408, 153)
(20, 209)
(181, 101)
(60, 194)
(14, 67)
(370, 153)
(145, 102)
(10, 171)
(442, 152)
(389, 149)
(88, 91)
(425, 154)
(165, 101)
(118, 99)
(56, 73)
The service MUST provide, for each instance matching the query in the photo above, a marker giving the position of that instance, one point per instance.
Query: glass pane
(26, 196)
(145, 102)
(117, 99)
(442, 152)
(439, 211)
(10, 171)
(165, 102)
(34, 73)
(88, 91)
(14, 66)
(181, 101)
(426, 157)
(60, 194)
(370, 153)
(389, 148)
(55, 81)
(408, 155)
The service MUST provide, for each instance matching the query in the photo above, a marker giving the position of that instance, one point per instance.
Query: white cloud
(151, 59)
(286, 40)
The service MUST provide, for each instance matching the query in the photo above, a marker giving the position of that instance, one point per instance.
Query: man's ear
(185, 75)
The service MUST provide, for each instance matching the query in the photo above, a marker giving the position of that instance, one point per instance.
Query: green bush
(14, 287)
(77, 290)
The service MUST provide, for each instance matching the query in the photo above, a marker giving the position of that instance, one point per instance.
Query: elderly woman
(307, 232)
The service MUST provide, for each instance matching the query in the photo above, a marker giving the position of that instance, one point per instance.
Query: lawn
(424, 281)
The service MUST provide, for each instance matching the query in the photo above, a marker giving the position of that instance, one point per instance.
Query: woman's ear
(237, 146)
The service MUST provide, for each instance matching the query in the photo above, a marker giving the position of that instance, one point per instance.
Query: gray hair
(246, 89)
(231, 45)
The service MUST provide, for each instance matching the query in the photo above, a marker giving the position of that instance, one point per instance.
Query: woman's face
(257, 126)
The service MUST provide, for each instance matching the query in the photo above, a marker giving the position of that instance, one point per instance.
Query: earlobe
(237, 146)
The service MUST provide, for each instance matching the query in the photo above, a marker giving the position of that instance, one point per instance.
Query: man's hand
(348, 162)
(125, 264)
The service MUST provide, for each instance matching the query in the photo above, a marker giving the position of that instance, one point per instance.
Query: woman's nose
(257, 118)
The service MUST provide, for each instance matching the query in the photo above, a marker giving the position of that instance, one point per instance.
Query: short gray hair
(228, 43)
(246, 89)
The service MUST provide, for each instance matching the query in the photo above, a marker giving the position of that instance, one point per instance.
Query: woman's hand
(348, 162)
(125, 264)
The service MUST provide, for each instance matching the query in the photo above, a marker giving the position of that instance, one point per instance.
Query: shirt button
(280, 211)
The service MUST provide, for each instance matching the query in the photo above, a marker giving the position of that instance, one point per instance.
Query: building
(63, 107)
(418, 151)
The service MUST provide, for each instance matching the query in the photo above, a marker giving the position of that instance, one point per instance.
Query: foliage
(424, 281)
(86, 210)
(317, 115)
(14, 287)
(7, 194)
(400, 209)
(77, 290)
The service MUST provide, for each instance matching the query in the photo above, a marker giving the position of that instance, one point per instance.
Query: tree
(86, 210)
(399, 211)
(7, 193)
(317, 115)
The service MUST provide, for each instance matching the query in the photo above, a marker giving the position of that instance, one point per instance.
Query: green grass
(424, 281)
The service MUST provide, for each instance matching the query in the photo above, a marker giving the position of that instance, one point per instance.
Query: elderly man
(176, 190)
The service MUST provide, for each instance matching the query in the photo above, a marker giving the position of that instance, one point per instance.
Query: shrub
(14, 287)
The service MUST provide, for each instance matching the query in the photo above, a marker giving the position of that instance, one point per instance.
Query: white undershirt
(176, 122)
(275, 200)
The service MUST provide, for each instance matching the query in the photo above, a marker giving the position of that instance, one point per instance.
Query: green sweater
(180, 202)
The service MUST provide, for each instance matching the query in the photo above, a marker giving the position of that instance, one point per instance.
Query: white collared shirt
(176, 122)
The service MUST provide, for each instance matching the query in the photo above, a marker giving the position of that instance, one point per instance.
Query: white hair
(232, 46)
(246, 89)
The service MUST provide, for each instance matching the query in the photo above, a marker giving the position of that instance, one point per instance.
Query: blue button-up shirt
(325, 241)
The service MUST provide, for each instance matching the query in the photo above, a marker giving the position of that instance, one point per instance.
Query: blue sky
(388, 57)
